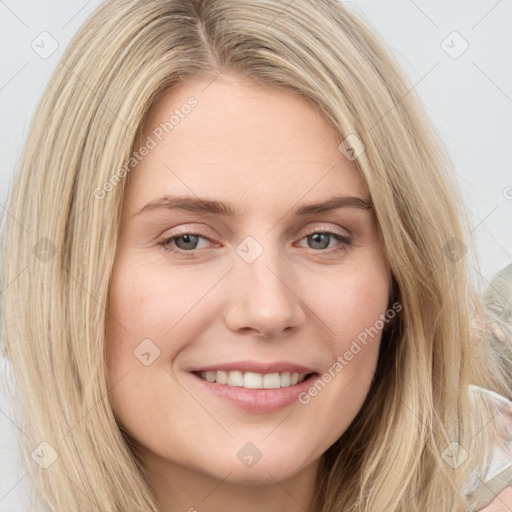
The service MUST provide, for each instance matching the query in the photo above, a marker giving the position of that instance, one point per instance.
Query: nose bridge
(263, 267)
(263, 296)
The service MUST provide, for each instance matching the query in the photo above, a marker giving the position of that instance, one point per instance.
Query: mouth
(254, 392)
(254, 380)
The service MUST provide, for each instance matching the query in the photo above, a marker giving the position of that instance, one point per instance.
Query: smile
(253, 380)
(247, 390)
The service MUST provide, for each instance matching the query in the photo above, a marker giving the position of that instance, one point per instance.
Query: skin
(265, 151)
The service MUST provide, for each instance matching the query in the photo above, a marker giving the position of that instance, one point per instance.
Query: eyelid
(185, 230)
(318, 228)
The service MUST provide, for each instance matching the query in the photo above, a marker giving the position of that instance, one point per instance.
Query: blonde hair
(60, 239)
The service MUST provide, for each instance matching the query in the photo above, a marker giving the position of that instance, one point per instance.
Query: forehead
(243, 140)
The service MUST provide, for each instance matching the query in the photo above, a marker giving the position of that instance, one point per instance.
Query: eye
(320, 239)
(186, 244)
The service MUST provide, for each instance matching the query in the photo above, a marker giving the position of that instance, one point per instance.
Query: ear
(502, 502)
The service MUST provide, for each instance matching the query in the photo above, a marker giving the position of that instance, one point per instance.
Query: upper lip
(257, 367)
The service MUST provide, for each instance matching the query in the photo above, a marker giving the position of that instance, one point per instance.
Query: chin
(263, 471)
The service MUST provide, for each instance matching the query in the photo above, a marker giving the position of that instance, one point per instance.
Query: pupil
(317, 239)
(189, 239)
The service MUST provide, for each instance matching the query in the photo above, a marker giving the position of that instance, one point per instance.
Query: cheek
(144, 303)
(365, 317)
(353, 304)
(150, 320)
(134, 317)
(355, 312)
(139, 314)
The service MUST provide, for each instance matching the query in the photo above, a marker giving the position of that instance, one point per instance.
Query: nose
(262, 297)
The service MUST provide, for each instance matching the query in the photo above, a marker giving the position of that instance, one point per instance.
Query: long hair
(60, 238)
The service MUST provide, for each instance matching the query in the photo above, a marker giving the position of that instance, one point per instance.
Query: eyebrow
(198, 205)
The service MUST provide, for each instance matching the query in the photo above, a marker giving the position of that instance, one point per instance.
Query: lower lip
(258, 400)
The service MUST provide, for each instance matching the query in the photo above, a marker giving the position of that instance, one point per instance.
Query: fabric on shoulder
(484, 488)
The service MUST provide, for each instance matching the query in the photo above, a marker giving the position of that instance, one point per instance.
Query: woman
(259, 368)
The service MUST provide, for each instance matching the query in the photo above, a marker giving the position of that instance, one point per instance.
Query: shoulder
(502, 502)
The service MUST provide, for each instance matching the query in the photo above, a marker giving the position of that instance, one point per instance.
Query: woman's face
(255, 281)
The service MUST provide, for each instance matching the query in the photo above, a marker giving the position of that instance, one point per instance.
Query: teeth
(235, 378)
(253, 380)
(210, 376)
(271, 381)
(221, 377)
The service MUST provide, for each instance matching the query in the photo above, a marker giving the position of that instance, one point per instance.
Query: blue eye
(188, 239)
(185, 244)
(319, 237)
(187, 248)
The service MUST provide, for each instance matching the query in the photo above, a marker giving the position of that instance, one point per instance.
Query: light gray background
(469, 99)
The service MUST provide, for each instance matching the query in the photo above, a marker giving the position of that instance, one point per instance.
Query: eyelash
(343, 247)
